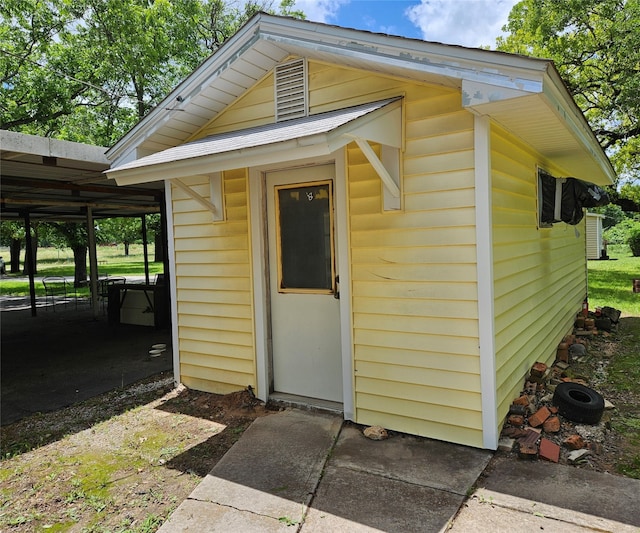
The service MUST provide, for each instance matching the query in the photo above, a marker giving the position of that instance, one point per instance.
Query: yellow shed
(354, 222)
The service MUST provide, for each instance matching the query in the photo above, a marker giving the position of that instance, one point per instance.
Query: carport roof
(58, 180)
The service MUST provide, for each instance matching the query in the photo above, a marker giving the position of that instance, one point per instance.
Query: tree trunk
(14, 255)
(34, 251)
(126, 249)
(80, 261)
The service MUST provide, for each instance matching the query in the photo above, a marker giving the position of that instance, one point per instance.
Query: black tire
(579, 403)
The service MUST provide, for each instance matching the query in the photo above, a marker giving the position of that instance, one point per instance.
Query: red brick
(551, 424)
(538, 369)
(563, 356)
(575, 442)
(553, 410)
(549, 450)
(530, 437)
(538, 418)
(528, 451)
(522, 400)
(515, 409)
(515, 433)
(516, 420)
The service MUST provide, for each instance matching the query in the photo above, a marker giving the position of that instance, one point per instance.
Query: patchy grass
(617, 359)
(126, 472)
(624, 376)
(611, 282)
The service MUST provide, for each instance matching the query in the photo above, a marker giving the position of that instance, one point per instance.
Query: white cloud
(466, 22)
(320, 10)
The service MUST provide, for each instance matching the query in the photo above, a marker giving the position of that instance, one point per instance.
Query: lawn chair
(54, 286)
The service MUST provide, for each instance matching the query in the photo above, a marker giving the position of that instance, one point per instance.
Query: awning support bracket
(197, 197)
(378, 166)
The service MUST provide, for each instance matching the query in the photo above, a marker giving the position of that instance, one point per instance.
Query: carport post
(31, 264)
(145, 249)
(93, 263)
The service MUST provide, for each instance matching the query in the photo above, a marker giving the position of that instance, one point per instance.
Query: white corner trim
(344, 271)
(175, 342)
(484, 251)
(258, 254)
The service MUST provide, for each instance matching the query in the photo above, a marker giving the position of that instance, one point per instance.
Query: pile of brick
(534, 428)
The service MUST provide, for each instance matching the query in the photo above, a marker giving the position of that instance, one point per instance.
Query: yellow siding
(540, 274)
(413, 274)
(215, 317)
(254, 108)
(414, 295)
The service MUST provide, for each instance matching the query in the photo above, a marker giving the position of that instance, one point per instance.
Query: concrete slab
(273, 470)
(524, 484)
(288, 472)
(488, 512)
(354, 500)
(194, 516)
(426, 462)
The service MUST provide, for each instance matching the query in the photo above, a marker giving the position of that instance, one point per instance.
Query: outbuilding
(596, 248)
(354, 221)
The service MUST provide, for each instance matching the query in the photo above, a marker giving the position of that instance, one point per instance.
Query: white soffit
(562, 138)
(311, 136)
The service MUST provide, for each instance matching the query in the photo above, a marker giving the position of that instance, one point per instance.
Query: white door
(305, 311)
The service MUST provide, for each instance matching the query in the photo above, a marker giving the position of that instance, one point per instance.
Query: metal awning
(312, 136)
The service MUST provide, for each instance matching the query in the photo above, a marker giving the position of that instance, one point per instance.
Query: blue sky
(466, 22)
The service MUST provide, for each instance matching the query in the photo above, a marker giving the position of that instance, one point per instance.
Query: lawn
(611, 282)
(59, 262)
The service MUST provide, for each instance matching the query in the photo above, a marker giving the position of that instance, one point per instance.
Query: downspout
(484, 251)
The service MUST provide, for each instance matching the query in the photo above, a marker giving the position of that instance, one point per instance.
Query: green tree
(154, 229)
(76, 238)
(613, 214)
(121, 230)
(87, 70)
(12, 235)
(595, 45)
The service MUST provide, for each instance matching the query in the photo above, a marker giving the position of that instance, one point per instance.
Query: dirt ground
(121, 462)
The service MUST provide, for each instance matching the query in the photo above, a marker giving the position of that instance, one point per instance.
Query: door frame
(260, 273)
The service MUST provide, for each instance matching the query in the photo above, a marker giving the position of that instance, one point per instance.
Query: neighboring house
(596, 248)
(354, 219)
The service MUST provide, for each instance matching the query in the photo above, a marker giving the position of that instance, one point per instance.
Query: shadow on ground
(59, 358)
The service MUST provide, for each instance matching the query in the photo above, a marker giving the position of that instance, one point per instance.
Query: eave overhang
(523, 95)
(549, 121)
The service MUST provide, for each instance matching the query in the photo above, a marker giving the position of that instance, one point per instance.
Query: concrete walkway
(304, 471)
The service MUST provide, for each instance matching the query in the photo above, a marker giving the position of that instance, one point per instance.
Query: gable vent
(291, 90)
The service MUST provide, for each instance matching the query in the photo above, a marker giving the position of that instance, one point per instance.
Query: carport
(60, 358)
(53, 180)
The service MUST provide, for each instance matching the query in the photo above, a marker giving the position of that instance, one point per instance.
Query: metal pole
(146, 251)
(28, 257)
(93, 264)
